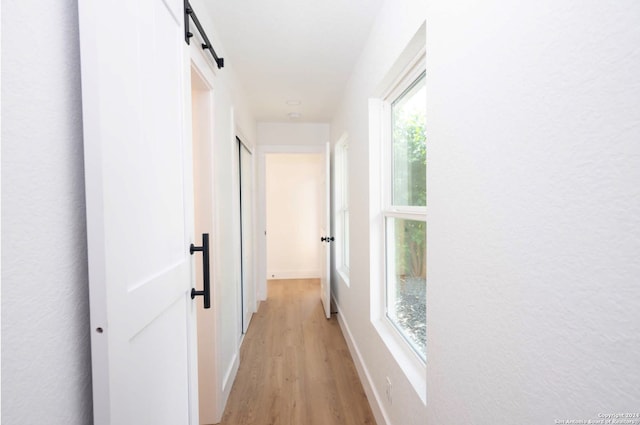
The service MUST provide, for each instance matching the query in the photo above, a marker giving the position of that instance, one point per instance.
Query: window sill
(344, 276)
(412, 366)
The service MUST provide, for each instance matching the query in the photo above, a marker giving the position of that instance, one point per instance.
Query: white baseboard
(227, 382)
(375, 401)
(294, 274)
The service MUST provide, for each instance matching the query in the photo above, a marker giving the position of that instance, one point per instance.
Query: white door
(139, 212)
(326, 237)
(246, 218)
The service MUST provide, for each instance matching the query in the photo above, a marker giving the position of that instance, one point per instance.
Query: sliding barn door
(139, 212)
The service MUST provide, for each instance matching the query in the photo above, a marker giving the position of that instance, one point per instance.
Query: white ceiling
(293, 50)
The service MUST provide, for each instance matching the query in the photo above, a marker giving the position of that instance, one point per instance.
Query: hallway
(532, 230)
(295, 366)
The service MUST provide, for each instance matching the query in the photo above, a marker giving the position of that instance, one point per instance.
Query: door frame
(197, 61)
(261, 207)
(224, 117)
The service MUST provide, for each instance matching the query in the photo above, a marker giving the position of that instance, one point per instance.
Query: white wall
(534, 202)
(283, 133)
(231, 116)
(46, 365)
(396, 24)
(293, 187)
(46, 369)
(534, 224)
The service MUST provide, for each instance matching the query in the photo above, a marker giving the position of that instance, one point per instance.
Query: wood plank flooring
(295, 367)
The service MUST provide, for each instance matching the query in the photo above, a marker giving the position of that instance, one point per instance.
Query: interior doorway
(284, 233)
(294, 185)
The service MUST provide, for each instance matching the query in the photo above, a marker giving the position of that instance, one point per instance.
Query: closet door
(246, 219)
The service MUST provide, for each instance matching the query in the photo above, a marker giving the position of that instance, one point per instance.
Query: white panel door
(326, 238)
(139, 212)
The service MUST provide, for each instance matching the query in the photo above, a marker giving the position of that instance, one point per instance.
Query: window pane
(406, 291)
(342, 209)
(345, 171)
(345, 251)
(409, 147)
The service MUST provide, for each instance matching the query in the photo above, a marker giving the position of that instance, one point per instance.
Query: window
(398, 212)
(405, 210)
(342, 207)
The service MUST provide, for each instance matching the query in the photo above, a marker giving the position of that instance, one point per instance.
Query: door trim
(195, 60)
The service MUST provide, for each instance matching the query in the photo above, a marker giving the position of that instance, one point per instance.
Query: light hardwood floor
(295, 366)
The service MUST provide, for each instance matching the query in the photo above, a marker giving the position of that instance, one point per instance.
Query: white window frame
(380, 173)
(341, 203)
(389, 210)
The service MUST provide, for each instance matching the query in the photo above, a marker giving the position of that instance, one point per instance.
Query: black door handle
(206, 292)
(327, 239)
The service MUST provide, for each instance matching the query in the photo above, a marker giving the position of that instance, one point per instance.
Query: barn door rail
(189, 13)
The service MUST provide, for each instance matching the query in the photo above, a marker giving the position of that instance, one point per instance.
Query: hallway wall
(534, 210)
(292, 133)
(46, 364)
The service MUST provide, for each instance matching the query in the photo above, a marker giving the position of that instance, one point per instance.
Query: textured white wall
(534, 210)
(395, 26)
(46, 375)
(46, 365)
(293, 187)
(534, 224)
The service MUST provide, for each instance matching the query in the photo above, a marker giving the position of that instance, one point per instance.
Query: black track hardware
(189, 13)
